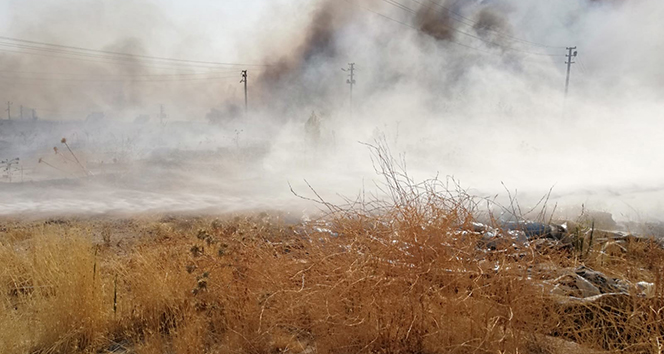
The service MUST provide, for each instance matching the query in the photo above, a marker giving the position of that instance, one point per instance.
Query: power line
(407, 9)
(127, 55)
(412, 11)
(115, 80)
(584, 69)
(164, 66)
(40, 84)
(68, 54)
(71, 55)
(455, 15)
(399, 5)
(84, 75)
(469, 22)
(410, 26)
(420, 30)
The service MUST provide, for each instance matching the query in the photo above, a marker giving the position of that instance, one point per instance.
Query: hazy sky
(205, 30)
(221, 25)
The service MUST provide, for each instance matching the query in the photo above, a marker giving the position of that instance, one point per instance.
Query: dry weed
(405, 274)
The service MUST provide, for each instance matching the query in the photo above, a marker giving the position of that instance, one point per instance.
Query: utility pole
(244, 79)
(351, 82)
(162, 115)
(21, 112)
(9, 110)
(569, 63)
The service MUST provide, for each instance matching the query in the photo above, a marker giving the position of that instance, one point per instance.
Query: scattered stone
(583, 283)
(605, 284)
(645, 289)
(478, 227)
(573, 285)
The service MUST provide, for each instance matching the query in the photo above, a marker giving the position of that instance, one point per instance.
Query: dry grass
(405, 276)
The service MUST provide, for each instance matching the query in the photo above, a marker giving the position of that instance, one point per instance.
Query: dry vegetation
(406, 276)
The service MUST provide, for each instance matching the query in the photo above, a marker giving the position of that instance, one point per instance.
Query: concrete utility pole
(569, 63)
(9, 110)
(21, 112)
(351, 82)
(244, 79)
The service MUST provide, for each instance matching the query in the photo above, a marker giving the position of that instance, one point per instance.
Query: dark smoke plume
(318, 46)
(437, 24)
(488, 20)
(304, 74)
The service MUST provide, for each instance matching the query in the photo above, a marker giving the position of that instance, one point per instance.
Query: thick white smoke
(488, 114)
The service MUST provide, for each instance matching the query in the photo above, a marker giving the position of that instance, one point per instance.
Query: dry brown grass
(405, 276)
(255, 285)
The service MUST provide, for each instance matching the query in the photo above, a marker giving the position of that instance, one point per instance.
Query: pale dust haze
(470, 89)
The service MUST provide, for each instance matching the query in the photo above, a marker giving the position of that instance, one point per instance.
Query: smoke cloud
(437, 24)
(473, 90)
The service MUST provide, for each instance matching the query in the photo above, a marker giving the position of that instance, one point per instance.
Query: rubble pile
(574, 283)
(614, 305)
